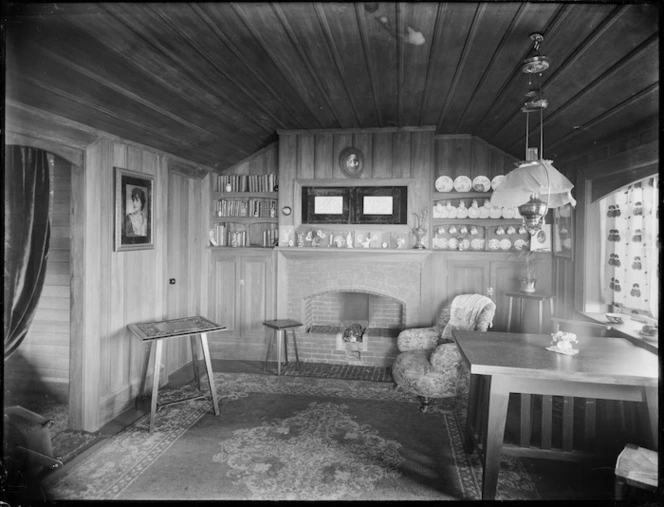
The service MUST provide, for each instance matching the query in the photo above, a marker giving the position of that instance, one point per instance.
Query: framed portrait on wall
(563, 231)
(134, 196)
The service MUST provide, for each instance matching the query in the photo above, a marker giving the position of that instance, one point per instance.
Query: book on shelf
(235, 235)
(246, 182)
(253, 207)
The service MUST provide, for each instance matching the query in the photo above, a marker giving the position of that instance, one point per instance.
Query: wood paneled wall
(389, 154)
(126, 287)
(465, 155)
(111, 289)
(45, 349)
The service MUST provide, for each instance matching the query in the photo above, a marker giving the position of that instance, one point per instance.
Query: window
(629, 247)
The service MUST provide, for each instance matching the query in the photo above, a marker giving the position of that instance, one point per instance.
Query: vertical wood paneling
(305, 156)
(341, 141)
(458, 155)
(363, 142)
(401, 154)
(324, 156)
(287, 167)
(382, 155)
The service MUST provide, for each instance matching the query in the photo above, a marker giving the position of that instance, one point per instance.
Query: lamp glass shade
(537, 177)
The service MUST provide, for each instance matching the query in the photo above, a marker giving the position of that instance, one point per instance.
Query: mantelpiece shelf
(249, 220)
(476, 221)
(447, 196)
(264, 195)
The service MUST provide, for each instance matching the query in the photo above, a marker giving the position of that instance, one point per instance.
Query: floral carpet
(288, 438)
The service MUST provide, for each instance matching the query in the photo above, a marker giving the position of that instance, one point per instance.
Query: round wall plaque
(351, 162)
(286, 210)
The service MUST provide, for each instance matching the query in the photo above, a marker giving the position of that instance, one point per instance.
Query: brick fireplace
(312, 284)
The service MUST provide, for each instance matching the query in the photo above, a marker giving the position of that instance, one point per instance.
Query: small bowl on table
(614, 318)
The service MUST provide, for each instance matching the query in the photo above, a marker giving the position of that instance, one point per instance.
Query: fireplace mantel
(373, 254)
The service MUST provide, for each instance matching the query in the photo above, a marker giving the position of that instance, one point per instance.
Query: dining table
(602, 368)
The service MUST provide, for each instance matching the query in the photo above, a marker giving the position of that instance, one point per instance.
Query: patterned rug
(286, 438)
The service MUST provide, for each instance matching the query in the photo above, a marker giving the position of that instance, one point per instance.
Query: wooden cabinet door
(224, 284)
(255, 294)
(467, 277)
(503, 278)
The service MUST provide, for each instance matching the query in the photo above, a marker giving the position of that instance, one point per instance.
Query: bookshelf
(244, 211)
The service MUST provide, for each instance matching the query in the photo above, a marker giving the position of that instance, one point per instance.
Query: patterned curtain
(27, 231)
(630, 247)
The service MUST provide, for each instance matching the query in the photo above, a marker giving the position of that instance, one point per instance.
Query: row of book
(246, 208)
(224, 235)
(247, 183)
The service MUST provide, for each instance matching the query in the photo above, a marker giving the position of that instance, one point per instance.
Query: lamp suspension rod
(541, 153)
(527, 129)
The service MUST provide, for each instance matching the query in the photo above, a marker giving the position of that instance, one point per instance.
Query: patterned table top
(174, 327)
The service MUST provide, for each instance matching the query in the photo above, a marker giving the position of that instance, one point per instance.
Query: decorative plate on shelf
(496, 181)
(481, 184)
(444, 184)
(464, 244)
(494, 244)
(443, 242)
(505, 244)
(462, 184)
(477, 244)
(453, 243)
(473, 212)
(495, 213)
(520, 244)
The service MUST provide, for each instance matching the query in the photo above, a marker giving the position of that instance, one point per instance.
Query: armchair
(429, 364)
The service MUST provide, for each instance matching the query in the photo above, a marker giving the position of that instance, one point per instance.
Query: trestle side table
(157, 332)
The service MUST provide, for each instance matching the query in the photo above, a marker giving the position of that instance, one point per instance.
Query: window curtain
(27, 232)
(630, 247)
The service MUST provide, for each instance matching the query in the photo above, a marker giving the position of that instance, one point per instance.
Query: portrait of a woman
(136, 221)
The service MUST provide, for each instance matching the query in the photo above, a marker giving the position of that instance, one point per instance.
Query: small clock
(286, 210)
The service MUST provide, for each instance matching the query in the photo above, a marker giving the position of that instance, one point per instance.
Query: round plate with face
(351, 162)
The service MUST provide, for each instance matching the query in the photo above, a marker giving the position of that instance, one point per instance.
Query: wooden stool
(279, 326)
(521, 296)
(636, 466)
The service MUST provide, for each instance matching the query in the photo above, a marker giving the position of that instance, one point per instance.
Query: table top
(629, 327)
(173, 327)
(600, 359)
(282, 323)
(532, 295)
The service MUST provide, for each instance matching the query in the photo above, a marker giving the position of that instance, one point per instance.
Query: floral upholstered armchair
(429, 364)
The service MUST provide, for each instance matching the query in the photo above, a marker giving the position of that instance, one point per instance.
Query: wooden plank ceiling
(214, 82)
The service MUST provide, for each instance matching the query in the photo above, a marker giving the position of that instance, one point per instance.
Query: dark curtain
(27, 232)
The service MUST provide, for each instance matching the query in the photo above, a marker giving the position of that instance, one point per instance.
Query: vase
(419, 233)
(527, 285)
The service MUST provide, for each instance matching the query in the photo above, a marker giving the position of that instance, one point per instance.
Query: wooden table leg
(210, 373)
(194, 361)
(496, 416)
(144, 370)
(297, 356)
(509, 314)
(285, 346)
(652, 405)
(473, 404)
(540, 308)
(269, 349)
(155, 383)
(279, 347)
